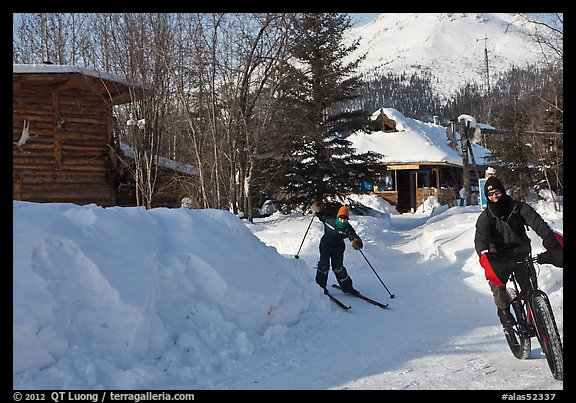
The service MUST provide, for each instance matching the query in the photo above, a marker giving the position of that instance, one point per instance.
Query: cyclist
(501, 240)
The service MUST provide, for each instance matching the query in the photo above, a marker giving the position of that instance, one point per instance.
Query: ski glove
(316, 207)
(357, 244)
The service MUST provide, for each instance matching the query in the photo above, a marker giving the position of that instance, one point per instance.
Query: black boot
(346, 286)
(506, 317)
(321, 278)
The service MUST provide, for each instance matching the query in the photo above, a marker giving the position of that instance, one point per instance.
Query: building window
(384, 181)
(424, 178)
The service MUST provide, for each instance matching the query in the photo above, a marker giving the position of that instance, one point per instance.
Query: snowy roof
(164, 162)
(64, 69)
(413, 142)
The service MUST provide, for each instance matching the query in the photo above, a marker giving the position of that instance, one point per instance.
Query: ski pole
(298, 257)
(391, 295)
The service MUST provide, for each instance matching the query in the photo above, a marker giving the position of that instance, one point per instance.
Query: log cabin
(62, 134)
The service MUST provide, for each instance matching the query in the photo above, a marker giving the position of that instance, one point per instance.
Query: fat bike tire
(548, 335)
(517, 336)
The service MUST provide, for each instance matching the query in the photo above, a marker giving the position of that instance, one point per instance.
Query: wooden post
(415, 191)
(464, 126)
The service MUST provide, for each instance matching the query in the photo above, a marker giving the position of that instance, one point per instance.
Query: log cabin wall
(68, 156)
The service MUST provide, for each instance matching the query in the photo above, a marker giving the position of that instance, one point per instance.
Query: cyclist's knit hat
(493, 183)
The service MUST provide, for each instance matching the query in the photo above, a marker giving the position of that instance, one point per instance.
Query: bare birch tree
(140, 46)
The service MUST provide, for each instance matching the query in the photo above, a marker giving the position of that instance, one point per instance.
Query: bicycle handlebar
(530, 258)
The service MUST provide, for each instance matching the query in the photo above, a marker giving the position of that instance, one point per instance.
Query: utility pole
(487, 66)
(488, 89)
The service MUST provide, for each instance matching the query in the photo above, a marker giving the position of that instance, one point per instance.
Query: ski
(365, 298)
(336, 300)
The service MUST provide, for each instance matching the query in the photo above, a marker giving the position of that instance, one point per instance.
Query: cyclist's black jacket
(508, 236)
(332, 234)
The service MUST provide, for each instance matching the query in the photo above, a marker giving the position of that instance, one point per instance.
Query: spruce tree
(316, 160)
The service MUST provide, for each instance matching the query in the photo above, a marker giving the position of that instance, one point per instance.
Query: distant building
(417, 161)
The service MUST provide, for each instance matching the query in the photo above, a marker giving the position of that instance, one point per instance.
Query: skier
(336, 229)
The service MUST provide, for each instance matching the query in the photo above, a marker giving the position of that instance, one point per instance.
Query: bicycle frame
(525, 295)
(531, 284)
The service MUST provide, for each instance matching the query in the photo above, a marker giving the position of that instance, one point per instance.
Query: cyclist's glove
(545, 258)
(555, 257)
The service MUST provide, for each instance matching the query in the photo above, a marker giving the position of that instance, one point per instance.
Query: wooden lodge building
(64, 149)
(417, 161)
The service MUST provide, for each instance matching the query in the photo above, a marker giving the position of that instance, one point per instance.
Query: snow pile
(174, 299)
(124, 284)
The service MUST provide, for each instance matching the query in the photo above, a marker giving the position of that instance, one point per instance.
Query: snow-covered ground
(173, 299)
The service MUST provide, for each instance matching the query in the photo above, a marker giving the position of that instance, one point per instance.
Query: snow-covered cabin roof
(106, 84)
(414, 142)
(164, 162)
(63, 69)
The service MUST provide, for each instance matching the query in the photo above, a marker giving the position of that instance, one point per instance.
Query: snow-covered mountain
(451, 46)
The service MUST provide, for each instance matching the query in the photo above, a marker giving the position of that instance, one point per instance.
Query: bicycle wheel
(517, 336)
(547, 334)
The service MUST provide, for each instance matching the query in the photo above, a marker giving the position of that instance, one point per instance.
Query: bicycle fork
(523, 311)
